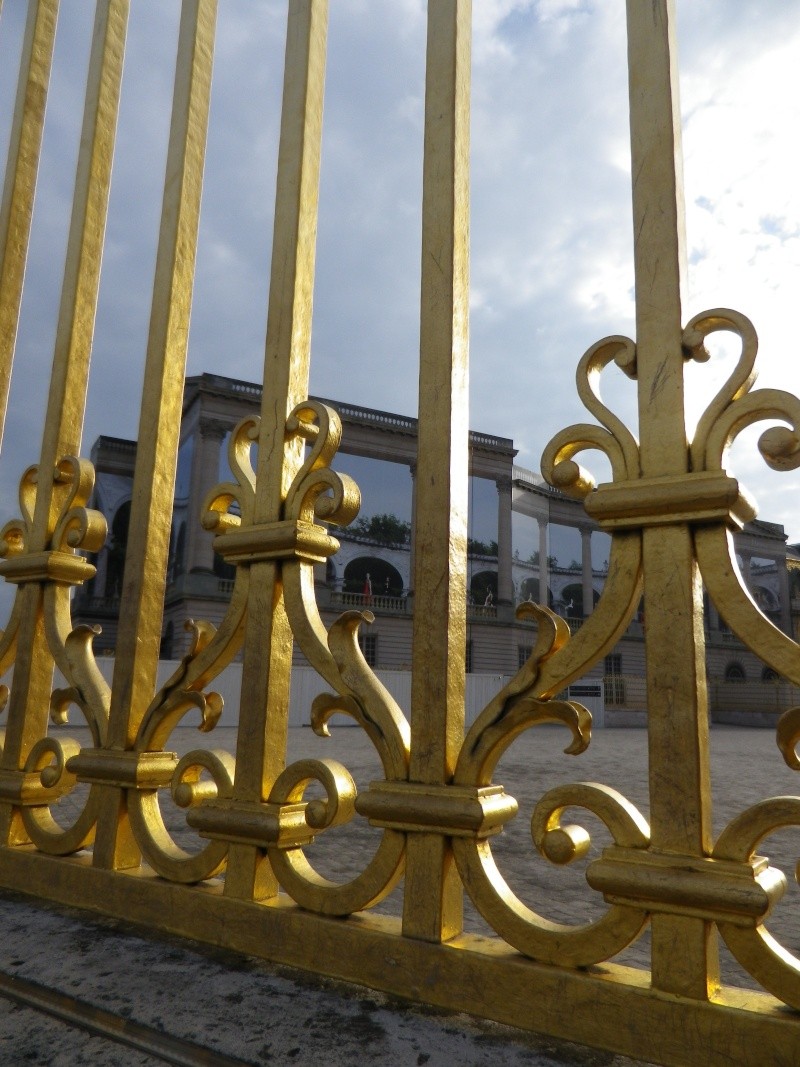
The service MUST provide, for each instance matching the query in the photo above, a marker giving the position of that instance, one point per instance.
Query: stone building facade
(376, 572)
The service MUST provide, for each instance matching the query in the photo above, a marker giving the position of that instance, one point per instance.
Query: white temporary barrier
(592, 696)
(307, 684)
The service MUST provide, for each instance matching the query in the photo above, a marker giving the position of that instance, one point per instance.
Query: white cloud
(742, 114)
(551, 229)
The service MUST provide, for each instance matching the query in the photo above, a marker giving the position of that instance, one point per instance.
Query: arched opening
(735, 672)
(372, 577)
(117, 547)
(572, 597)
(483, 588)
(223, 569)
(529, 590)
(769, 675)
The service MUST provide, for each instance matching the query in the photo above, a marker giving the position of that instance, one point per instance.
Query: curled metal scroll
(557, 659)
(770, 963)
(511, 712)
(319, 492)
(74, 528)
(188, 788)
(227, 507)
(614, 439)
(292, 867)
(48, 758)
(735, 407)
(316, 493)
(622, 589)
(529, 932)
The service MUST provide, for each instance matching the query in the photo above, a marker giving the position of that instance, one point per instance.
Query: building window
(468, 658)
(368, 643)
(735, 672)
(523, 654)
(614, 683)
(769, 675)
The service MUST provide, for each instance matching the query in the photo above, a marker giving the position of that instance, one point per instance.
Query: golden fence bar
(141, 603)
(670, 508)
(433, 897)
(16, 207)
(264, 712)
(684, 948)
(62, 481)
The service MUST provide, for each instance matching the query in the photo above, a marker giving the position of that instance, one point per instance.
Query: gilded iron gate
(670, 509)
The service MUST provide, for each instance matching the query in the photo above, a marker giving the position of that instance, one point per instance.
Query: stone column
(204, 476)
(505, 584)
(544, 568)
(586, 575)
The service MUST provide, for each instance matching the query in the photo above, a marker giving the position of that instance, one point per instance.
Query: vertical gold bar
(684, 950)
(16, 208)
(264, 709)
(142, 599)
(30, 693)
(433, 895)
(76, 317)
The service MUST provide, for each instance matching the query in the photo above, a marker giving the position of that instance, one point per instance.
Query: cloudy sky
(551, 230)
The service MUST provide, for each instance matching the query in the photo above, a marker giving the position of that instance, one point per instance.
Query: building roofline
(235, 388)
(114, 444)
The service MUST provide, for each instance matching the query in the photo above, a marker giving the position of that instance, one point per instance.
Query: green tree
(385, 529)
(481, 548)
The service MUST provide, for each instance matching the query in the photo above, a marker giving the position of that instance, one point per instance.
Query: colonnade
(205, 469)
(207, 442)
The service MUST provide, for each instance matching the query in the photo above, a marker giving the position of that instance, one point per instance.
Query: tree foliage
(385, 529)
(481, 548)
(392, 530)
